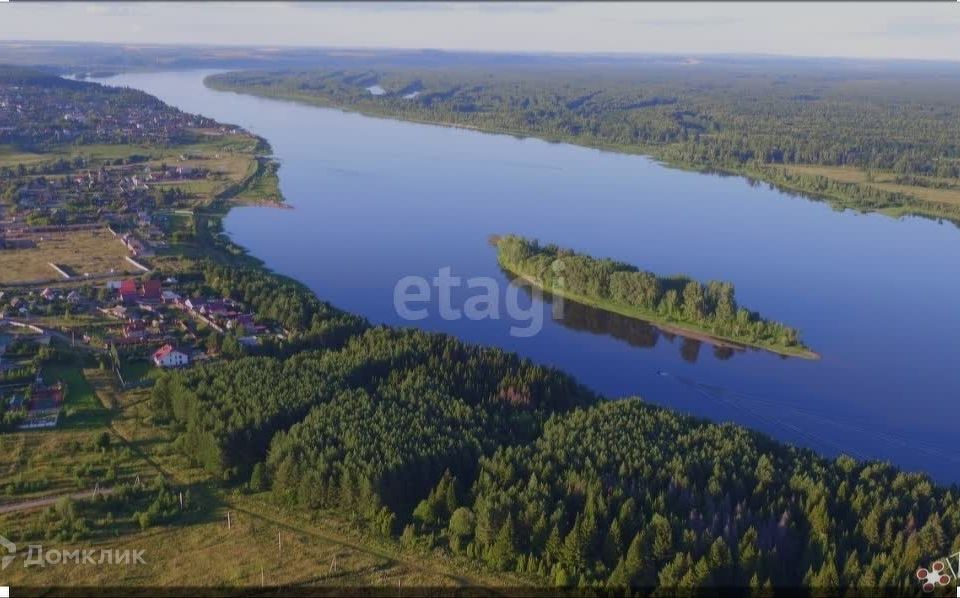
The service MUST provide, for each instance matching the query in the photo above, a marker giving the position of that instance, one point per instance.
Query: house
(48, 294)
(135, 330)
(74, 298)
(128, 291)
(243, 324)
(170, 297)
(217, 308)
(194, 304)
(169, 357)
(152, 290)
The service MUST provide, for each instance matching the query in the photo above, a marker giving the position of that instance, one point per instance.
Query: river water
(377, 200)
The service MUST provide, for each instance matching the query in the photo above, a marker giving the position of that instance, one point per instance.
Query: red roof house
(128, 290)
(168, 356)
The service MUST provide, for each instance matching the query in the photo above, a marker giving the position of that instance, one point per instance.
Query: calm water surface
(377, 200)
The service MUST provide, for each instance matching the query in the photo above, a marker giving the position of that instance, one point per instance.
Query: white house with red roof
(168, 356)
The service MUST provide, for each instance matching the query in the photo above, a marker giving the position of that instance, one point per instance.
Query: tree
(258, 478)
(503, 553)
(461, 528)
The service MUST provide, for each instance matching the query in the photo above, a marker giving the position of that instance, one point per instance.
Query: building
(128, 290)
(169, 357)
(152, 290)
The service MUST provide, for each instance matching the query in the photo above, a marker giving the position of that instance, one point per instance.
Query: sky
(921, 30)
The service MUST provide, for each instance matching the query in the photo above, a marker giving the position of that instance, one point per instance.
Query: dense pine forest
(478, 453)
(614, 285)
(736, 117)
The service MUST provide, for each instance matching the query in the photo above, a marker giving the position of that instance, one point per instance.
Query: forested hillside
(482, 454)
(739, 118)
(629, 494)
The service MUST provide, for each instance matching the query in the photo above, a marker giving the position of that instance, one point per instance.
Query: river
(377, 200)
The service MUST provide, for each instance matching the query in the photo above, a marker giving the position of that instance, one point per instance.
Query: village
(132, 327)
(104, 185)
(32, 116)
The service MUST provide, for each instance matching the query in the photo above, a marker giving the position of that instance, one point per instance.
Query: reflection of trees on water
(636, 333)
(690, 350)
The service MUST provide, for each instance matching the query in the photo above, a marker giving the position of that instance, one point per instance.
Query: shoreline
(690, 331)
(920, 209)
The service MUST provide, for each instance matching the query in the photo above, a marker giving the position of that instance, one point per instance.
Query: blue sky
(876, 30)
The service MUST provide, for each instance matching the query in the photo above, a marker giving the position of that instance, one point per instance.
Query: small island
(677, 304)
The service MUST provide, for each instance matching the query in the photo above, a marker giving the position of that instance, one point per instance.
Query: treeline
(625, 494)
(473, 451)
(711, 307)
(867, 198)
(711, 116)
(309, 322)
(228, 413)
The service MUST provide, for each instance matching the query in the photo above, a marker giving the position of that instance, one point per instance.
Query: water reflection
(634, 332)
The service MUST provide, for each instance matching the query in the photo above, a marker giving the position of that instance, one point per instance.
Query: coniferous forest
(729, 116)
(479, 453)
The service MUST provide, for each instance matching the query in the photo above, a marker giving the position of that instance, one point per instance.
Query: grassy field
(82, 409)
(41, 463)
(262, 186)
(82, 252)
(135, 371)
(263, 544)
(882, 180)
(12, 156)
(257, 548)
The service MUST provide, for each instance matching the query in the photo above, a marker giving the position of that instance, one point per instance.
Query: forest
(478, 453)
(608, 284)
(732, 117)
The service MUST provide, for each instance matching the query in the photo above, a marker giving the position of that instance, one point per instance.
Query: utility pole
(228, 520)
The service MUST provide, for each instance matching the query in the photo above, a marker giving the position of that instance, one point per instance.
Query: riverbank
(666, 325)
(841, 195)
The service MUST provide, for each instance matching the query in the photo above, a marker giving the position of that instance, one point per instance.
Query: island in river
(676, 303)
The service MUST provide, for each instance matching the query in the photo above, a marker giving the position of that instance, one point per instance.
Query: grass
(881, 180)
(319, 549)
(134, 371)
(205, 552)
(80, 252)
(82, 408)
(12, 156)
(263, 185)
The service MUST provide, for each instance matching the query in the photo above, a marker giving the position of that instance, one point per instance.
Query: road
(46, 501)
